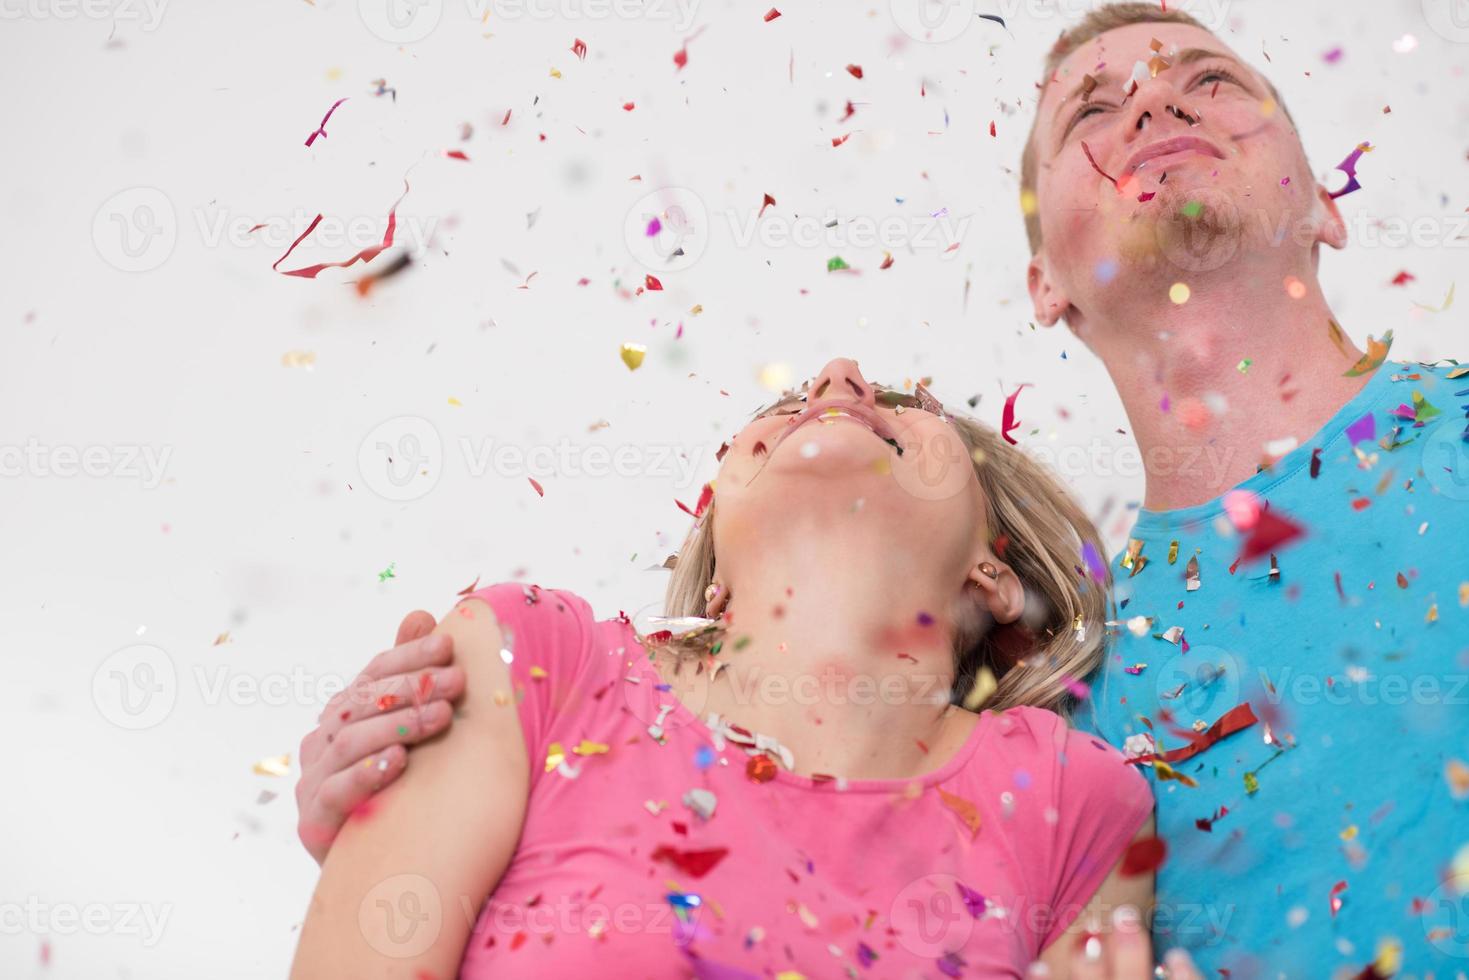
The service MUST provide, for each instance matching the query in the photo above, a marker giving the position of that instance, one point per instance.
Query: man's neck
(1222, 384)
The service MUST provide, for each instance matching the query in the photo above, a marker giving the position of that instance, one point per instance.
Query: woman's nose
(841, 378)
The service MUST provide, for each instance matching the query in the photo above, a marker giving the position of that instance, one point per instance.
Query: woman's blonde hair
(1035, 527)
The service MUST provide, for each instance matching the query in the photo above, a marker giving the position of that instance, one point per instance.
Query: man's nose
(841, 378)
(1158, 108)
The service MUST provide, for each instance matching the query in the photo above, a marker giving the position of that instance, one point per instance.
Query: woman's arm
(404, 881)
(1127, 952)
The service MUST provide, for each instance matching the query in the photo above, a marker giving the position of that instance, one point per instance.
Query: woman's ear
(716, 597)
(1000, 590)
(1046, 297)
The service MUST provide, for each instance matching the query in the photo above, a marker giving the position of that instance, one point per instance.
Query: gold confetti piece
(1457, 774)
(275, 765)
(591, 748)
(1447, 302)
(455, 402)
(555, 755)
(222, 638)
(968, 812)
(1432, 616)
(539, 673)
(1389, 958)
(1464, 594)
(1134, 548)
(1191, 574)
(1458, 372)
(697, 309)
(775, 377)
(555, 72)
(1172, 552)
(1164, 771)
(808, 918)
(1372, 360)
(1338, 337)
(299, 358)
(984, 687)
(1350, 833)
(1027, 199)
(632, 355)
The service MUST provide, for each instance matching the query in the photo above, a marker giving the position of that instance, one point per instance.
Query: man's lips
(1177, 146)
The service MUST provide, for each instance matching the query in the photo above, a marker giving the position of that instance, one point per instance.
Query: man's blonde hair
(1095, 23)
(1039, 530)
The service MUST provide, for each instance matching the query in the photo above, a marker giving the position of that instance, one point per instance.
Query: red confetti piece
(854, 70)
(627, 107)
(366, 255)
(1403, 278)
(1007, 416)
(1336, 891)
(1143, 856)
(771, 14)
(579, 48)
(386, 702)
(681, 57)
(1146, 196)
(469, 588)
(425, 686)
(652, 283)
(1269, 533)
(765, 204)
(760, 768)
(537, 486)
(695, 864)
(839, 140)
(1236, 719)
(506, 120)
(1093, 161)
(1206, 824)
(887, 262)
(992, 127)
(457, 155)
(321, 130)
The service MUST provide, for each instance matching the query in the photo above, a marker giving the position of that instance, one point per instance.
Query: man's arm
(406, 877)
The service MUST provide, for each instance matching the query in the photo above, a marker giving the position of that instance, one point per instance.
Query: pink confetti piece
(366, 255)
(321, 130)
(1349, 167)
(1007, 415)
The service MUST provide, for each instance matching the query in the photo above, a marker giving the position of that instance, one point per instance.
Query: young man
(1291, 652)
(1291, 649)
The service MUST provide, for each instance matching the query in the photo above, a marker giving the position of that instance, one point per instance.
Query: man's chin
(1182, 229)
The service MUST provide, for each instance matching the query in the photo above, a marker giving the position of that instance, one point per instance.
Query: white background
(263, 521)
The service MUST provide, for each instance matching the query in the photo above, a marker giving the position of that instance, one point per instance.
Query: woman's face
(852, 451)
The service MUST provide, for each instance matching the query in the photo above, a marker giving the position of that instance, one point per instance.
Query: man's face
(1201, 165)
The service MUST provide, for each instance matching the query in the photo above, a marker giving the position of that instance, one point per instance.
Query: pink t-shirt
(622, 870)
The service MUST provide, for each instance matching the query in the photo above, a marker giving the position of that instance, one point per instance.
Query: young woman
(794, 789)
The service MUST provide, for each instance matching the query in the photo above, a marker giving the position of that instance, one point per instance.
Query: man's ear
(1046, 296)
(1330, 228)
(1001, 593)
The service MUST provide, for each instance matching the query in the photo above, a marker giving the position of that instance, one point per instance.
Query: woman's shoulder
(1079, 762)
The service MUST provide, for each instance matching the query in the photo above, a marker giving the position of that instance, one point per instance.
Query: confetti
(1349, 167)
(771, 14)
(694, 863)
(1008, 423)
(540, 491)
(632, 355)
(967, 811)
(1178, 293)
(366, 255)
(387, 573)
(1093, 161)
(321, 130)
(275, 765)
(1372, 360)
(1448, 301)
(1143, 856)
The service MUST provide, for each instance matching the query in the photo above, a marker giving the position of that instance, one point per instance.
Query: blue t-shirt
(1329, 831)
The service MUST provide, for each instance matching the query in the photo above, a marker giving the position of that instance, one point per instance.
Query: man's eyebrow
(1090, 83)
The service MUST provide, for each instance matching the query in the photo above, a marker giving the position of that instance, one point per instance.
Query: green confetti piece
(835, 263)
(387, 573)
(1243, 367)
(1192, 209)
(1251, 783)
(1421, 407)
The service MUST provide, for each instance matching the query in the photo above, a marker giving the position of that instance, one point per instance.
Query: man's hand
(359, 743)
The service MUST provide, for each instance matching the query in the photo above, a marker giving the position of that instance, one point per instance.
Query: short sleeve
(548, 639)
(1100, 803)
